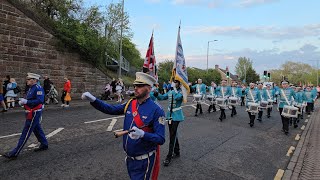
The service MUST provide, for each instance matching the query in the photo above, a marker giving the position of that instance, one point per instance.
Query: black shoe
(231, 114)
(8, 156)
(295, 126)
(41, 149)
(196, 115)
(235, 113)
(286, 132)
(251, 124)
(176, 155)
(4, 110)
(259, 119)
(167, 162)
(201, 112)
(220, 118)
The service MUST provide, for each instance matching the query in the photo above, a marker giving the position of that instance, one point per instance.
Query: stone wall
(25, 47)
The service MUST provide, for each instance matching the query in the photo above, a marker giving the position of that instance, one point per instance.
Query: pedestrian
(253, 97)
(4, 107)
(4, 87)
(286, 95)
(145, 119)
(174, 117)
(223, 92)
(119, 88)
(200, 89)
(113, 85)
(107, 92)
(10, 94)
(46, 85)
(33, 109)
(52, 95)
(66, 97)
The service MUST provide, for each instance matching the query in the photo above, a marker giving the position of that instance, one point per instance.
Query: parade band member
(285, 95)
(147, 120)
(253, 95)
(223, 92)
(33, 105)
(311, 97)
(212, 93)
(235, 92)
(200, 88)
(301, 99)
(174, 117)
(260, 85)
(243, 94)
(269, 95)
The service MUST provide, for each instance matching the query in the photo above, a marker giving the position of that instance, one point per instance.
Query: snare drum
(211, 98)
(263, 104)
(197, 97)
(299, 106)
(222, 102)
(290, 111)
(270, 103)
(253, 107)
(233, 101)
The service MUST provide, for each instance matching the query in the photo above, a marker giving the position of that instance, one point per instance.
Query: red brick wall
(27, 47)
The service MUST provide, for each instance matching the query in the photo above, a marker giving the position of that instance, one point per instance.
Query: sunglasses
(139, 85)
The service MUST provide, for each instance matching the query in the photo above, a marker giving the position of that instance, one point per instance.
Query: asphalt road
(210, 149)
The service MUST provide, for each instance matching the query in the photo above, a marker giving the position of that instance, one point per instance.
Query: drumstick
(123, 132)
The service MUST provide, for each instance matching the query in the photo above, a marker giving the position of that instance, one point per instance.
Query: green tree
(165, 71)
(242, 67)
(252, 76)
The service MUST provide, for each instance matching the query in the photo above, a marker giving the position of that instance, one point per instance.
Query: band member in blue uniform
(311, 97)
(223, 91)
(235, 92)
(146, 120)
(253, 96)
(268, 94)
(200, 89)
(243, 94)
(263, 98)
(285, 95)
(212, 92)
(174, 117)
(33, 105)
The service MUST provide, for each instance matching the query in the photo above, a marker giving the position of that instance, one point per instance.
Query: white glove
(173, 85)
(88, 96)
(137, 133)
(22, 101)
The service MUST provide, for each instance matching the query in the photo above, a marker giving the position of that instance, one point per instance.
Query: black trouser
(233, 111)
(213, 107)
(64, 93)
(242, 101)
(199, 107)
(309, 108)
(260, 115)
(252, 117)
(174, 143)
(285, 121)
(222, 113)
(269, 111)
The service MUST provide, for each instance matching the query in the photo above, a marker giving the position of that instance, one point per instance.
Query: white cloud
(250, 3)
(153, 1)
(267, 32)
(206, 3)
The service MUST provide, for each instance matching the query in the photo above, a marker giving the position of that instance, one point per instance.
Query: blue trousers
(140, 169)
(30, 126)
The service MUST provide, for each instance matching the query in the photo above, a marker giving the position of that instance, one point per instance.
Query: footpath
(305, 162)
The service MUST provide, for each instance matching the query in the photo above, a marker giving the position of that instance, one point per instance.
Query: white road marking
(290, 151)
(103, 119)
(113, 122)
(17, 134)
(302, 127)
(33, 145)
(279, 174)
(306, 120)
(297, 137)
(194, 107)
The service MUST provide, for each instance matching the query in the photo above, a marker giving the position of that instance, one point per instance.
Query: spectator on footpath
(119, 88)
(66, 98)
(2, 101)
(107, 92)
(113, 85)
(4, 86)
(11, 95)
(46, 85)
(52, 95)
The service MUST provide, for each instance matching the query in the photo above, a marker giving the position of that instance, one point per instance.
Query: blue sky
(269, 32)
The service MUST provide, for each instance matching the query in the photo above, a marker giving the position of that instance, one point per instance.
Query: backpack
(17, 90)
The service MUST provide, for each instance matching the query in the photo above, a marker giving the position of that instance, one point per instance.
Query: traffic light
(269, 75)
(228, 74)
(264, 74)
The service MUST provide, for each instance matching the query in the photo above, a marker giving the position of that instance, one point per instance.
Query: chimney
(216, 66)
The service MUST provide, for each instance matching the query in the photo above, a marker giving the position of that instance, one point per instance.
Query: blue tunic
(177, 113)
(284, 94)
(150, 113)
(199, 88)
(310, 96)
(223, 91)
(253, 95)
(268, 94)
(235, 92)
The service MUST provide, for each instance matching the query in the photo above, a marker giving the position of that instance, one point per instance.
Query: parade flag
(179, 71)
(149, 65)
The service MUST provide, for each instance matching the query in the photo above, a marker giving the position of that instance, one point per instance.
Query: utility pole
(121, 27)
(208, 53)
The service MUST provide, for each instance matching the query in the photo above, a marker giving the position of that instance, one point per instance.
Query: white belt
(175, 109)
(33, 111)
(142, 157)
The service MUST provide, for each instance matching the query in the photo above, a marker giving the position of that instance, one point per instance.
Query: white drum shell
(290, 111)
(263, 104)
(253, 107)
(211, 98)
(221, 102)
(233, 101)
(197, 97)
(270, 103)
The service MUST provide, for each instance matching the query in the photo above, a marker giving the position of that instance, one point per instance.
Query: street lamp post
(208, 53)
(120, 58)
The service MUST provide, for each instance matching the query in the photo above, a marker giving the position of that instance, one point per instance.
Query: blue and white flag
(179, 71)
